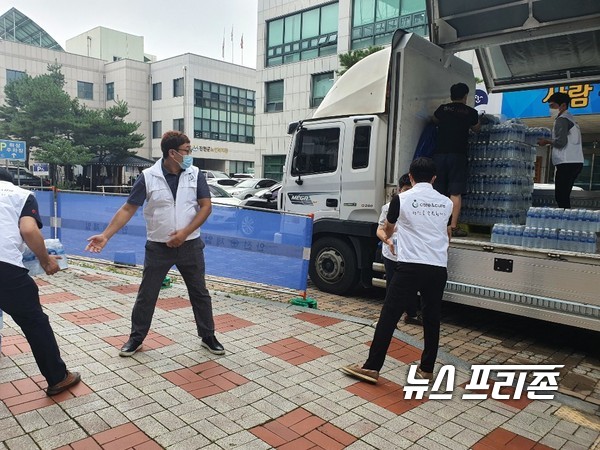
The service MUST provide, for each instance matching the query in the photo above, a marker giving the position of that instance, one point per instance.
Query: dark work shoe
(459, 232)
(413, 320)
(424, 375)
(71, 379)
(355, 371)
(212, 345)
(130, 347)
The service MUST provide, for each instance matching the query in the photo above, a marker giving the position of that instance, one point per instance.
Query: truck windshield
(316, 151)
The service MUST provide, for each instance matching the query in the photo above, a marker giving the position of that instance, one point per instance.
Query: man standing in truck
(567, 152)
(454, 120)
(422, 216)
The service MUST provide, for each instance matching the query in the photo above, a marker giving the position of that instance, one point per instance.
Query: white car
(208, 174)
(247, 188)
(220, 196)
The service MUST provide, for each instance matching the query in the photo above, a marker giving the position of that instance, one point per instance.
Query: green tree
(347, 60)
(61, 152)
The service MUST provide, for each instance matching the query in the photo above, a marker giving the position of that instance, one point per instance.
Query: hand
(544, 142)
(96, 243)
(51, 266)
(176, 238)
(390, 243)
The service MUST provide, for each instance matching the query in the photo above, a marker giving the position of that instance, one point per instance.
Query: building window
(360, 151)
(157, 91)
(316, 151)
(110, 91)
(157, 129)
(375, 21)
(178, 125)
(178, 87)
(241, 167)
(85, 90)
(274, 96)
(304, 35)
(223, 113)
(13, 75)
(273, 166)
(321, 83)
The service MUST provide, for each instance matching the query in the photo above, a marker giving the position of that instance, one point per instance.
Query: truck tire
(333, 266)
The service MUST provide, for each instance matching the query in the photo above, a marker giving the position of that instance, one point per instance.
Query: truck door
(362, 186)
(312, 184)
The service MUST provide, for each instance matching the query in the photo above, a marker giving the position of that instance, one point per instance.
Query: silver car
(247, 188)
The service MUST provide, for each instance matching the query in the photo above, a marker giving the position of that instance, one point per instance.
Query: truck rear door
(313, 178)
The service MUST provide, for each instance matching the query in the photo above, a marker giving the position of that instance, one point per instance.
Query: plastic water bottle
(55, 247)
(569, 236)
(494, 237)
(561, 241)
(590, 242)
(588, 218)
(576, 246)
(596, 221)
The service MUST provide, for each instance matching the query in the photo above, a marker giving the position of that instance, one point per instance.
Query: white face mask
(554, 113)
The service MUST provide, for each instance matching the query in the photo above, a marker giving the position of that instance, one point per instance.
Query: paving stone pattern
(278, 386)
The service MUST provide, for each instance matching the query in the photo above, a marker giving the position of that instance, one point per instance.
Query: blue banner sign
(15, 150)
(585, 99)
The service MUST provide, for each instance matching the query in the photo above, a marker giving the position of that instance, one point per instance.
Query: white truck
(344, 162)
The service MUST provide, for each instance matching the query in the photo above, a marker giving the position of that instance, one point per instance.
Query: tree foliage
(62, 131)
(347, 60)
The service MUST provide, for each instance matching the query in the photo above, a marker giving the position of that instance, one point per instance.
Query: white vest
(162, 213)
(573, 151)
(12, 200)
(422, 226)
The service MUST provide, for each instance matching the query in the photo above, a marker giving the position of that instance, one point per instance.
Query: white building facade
(297, 58)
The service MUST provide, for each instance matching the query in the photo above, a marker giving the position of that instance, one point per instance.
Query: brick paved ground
(278, 386)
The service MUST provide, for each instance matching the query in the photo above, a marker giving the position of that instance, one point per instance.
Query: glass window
(110, 91)
(157, 130)
(157, 91)
(273, 166)
(387, 9)
(321, 83)
(316, 151)
(178, 87)
(292, 28)
(329, 18)
(411, 6)
(274, 96)
(275, 32)
(360, 151)
(310, 23)
(12, 75)
(85, 90)
(364, 12)
(178, 125)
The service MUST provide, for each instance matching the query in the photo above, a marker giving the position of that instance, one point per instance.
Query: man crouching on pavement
(422, 216)
(173, 237)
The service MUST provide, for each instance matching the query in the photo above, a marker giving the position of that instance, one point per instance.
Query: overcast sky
(168, 28)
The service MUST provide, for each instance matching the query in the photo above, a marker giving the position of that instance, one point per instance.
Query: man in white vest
(422, 217)
(20, 223)
(177, 204)
(567, 151)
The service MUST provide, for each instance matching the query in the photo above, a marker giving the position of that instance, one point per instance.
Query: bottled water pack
(54, 247)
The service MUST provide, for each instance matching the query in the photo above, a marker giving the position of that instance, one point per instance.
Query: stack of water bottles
(501, 169)
(575, 230)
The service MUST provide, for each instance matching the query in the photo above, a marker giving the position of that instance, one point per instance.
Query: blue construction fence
(259, 246)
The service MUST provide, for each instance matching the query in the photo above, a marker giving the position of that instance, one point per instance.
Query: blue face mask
(187, 162)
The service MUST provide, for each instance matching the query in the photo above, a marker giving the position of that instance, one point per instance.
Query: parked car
(240, 176)
(265, 199)
(247, 188)
(224, 183)
(23, 177)
(214, 174)
(220, 196)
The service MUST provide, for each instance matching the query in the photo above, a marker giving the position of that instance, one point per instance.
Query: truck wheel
(333, 266)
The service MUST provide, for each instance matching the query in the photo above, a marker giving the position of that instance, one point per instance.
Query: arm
(561, 132)
(178, 237)
(35, 241)
(119, 220)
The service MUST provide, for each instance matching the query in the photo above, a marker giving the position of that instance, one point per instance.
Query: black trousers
(20, 299)
(564, 179)
(390, 268)
(409, 279)
(189, 260)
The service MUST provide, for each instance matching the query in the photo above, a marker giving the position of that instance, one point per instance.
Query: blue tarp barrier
(45, 201)
(257, 246)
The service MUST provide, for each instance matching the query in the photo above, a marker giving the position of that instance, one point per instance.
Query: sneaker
(355, 371)
(459, 232)
(413, 320)
(424, 375)
(71, 379)
(212, 345)
(130, 347)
